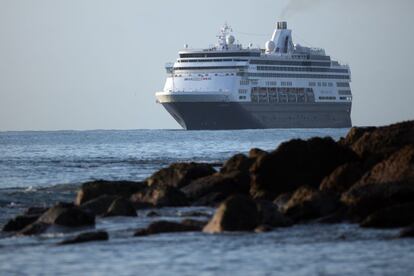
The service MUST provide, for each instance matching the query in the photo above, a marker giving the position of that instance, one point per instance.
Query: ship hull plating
(234, 115)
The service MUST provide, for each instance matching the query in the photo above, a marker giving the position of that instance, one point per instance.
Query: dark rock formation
(309, 203)
(342, 178)
(98, 206)
(87, 237)
(213, 189)
(121, 207)
(270, 215)
(180, 174)
(282, 199)
(395, 216)
(35, 228)
(296, 163)
(256, 153)
(262, 228)
(163, 226)
(19, 222)
(376, 144)
(94, 189)
(390, 182)
(407, 232)
(66, 215)
(36, 210)
(238, 162)
(160, 196)
(237, 213)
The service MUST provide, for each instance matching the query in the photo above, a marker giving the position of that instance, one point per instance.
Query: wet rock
(194, 214)
(342, 178)
(163, 226)
(211, 190)
(36, 210)
(99, 205)
(87, 237)
(256, 153)
(237, 213)
(407, 232)
(296, 163)
(282, 199)
(270, 215)
(35, 228)
(160, 196)
(67, 215)
(309, 203)
(337, 217)
(354, 134)
(180, 174)
(19, 222)
(151, 214)
(121, 207)
(395, 216)
(238, 162)
(390, 182)
(379, 143)
(94, 189)
(197, 224)
(263, 228)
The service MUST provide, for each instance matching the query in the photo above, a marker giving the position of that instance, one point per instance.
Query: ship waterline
(284, 85)
(219, 115)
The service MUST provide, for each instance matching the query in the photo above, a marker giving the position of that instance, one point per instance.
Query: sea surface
(40, 168)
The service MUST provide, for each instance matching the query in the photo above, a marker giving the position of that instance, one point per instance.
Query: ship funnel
(282, 25)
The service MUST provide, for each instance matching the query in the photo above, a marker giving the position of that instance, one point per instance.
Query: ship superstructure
(284, 85)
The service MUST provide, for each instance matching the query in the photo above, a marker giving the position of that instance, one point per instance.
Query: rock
(270, 215)
(151, 214)
(309, 203)
(121, 207)
(35, 228)
(163, 226)
(66, 215)
(395, 216)
(180, 174)
(213, 189)
(19, 222)
(263, 228)
(379, 143)
(194, 214)
(256, 153)
(36, 211)
(237, 213)
(282, 199)
(407, 232)
(296, 163)
(354, 134)
(87, 237)
(160, 196)
(390, 182)
(94, 189)
(98, 206)
(342, 178)
(337, 217)
(238, 162)
(197, 224)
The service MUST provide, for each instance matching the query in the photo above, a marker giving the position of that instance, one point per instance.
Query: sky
(96, 64)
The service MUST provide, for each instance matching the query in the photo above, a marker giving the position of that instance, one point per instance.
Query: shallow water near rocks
(40, 168)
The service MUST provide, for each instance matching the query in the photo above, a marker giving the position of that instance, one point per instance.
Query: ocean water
(40, 168)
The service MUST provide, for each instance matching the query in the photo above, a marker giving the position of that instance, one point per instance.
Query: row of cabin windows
(291, 63)
(342, 84)
(224, 54)
(209, 60)
(327, 98)
(304, 76)
(321, 84)
(301, 69)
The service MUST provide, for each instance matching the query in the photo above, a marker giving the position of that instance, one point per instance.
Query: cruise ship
(283, 85)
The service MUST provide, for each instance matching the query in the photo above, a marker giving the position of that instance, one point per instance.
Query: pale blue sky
(95, 64)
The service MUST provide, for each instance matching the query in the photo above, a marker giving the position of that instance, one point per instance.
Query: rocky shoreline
(365, 178)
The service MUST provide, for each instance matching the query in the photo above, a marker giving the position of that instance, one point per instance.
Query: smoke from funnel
(295, 6)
